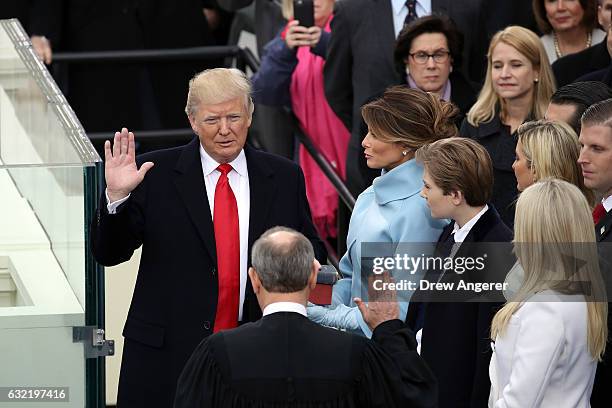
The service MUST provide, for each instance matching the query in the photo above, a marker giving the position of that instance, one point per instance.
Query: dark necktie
(227, 239)
(412, 15)
(598, 212)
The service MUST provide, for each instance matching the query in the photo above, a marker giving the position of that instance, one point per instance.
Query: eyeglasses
(422, 57)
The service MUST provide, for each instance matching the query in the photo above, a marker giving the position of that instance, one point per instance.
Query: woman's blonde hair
(553, 228)
(528, 44)
(552, 151)
(287, 9)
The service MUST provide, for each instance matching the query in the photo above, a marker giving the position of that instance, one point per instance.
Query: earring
(407, 70)
(536, 80)
(404, 152)
(451, 68)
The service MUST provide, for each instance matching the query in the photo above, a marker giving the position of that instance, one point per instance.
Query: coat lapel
(603, 227)
(189, 181)
(262, 190)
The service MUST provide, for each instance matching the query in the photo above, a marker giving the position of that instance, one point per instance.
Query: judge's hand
(375, 313)
(382, 305)
(122, 175)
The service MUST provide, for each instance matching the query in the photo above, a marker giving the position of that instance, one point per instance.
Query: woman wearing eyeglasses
(425, 55)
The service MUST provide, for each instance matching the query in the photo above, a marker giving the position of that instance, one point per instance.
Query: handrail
(164, 54)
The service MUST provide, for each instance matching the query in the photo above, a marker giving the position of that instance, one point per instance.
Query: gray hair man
(285, 358)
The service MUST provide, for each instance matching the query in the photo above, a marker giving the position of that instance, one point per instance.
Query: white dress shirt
(400, 11)
(285, 307)
(607, 203)
(239, 183)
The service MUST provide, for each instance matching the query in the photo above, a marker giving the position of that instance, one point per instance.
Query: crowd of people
(436, 148)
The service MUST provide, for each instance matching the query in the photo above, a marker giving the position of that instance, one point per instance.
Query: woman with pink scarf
(291, 74)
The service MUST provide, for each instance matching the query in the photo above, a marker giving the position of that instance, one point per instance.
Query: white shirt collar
(607, 203)
(284, 307)
(209, 164)
(461, 233)
(423, 7)
(397, 6)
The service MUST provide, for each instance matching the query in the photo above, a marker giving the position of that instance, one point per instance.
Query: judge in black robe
(285, 360)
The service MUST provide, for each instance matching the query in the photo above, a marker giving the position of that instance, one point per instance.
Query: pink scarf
(327, 132)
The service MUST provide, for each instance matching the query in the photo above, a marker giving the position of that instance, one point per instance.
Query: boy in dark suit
(457, 184)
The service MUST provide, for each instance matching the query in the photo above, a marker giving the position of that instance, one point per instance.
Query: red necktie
(227, 238)
(598, 212)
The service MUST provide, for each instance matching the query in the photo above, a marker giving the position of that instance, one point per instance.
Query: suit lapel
(440, 7)
(603, 227)
(262, 190)
(382, 23)
(189, 181)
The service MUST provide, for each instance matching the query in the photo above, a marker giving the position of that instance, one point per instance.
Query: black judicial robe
(285, 360)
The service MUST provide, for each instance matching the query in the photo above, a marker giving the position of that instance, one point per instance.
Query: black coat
(500, 145)
(602, 394)
(175, 299)
(571, 67)
(455, 341)
(286, 360)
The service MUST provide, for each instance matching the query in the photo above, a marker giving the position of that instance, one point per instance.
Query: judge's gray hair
(282, 258)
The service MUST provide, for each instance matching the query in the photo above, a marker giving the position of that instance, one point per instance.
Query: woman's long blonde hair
(552, 151)
(527, 43)
(553, 228)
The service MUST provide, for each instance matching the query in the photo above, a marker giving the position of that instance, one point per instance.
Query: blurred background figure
(291, 74)
(517, 88)
(572, 67)
(569, 102)
(272, 128)
(428, 56)
(390, 210)
(144, 95)
(569, 26)
(548, 150)
(553, 331)
(360, 62)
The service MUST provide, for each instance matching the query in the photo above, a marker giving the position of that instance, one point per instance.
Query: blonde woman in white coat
(548, 339)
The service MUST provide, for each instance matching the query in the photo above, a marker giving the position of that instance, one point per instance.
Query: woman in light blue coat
(391, 209)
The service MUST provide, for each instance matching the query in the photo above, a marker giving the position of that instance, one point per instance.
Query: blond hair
(552, 151)
(218, 85)
(529, 45)
(554, 218)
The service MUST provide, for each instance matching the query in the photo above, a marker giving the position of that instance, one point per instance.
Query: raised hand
(122, 175)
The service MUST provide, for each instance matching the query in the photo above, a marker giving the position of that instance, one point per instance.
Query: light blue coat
(390, 210)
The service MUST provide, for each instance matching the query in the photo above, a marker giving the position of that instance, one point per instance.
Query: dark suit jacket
(360, 65)
(571, 67)
(456, 341)
(267, 15)
(602, 395)
(501, 145)
(175, 299)
(286, 360)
